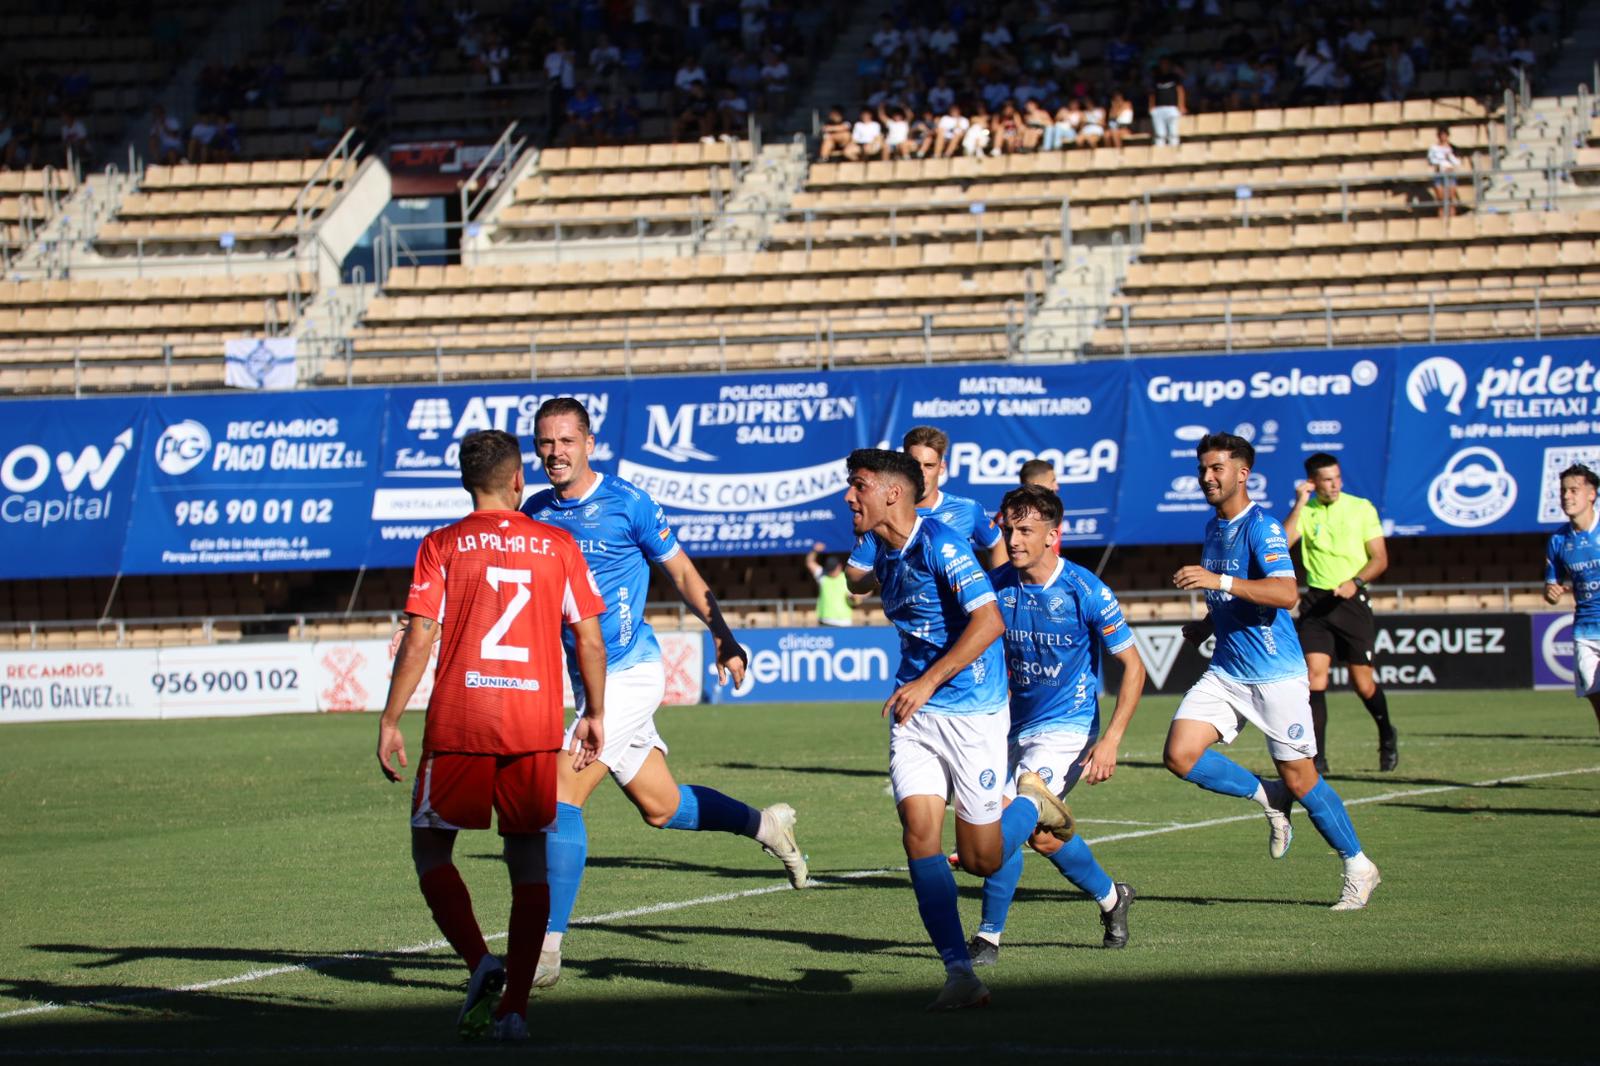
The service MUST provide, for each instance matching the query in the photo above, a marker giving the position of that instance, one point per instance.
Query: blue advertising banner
(1483, 431)
(749, 464)
(825, 663)
(419, 477)
(997, 420)
(1287, 406)
(246, 483)
(66, 485)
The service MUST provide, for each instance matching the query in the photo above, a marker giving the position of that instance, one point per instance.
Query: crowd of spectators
(958, 78)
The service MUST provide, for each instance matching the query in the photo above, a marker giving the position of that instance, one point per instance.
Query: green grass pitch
(243, 888)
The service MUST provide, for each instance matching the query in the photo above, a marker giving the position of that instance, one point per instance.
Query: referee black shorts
(1343, 630)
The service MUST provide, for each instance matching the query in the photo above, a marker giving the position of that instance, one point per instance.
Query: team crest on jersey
(1054, 604)
(591, 510)
(1045, 774)
(987, 779)
(1297, 731)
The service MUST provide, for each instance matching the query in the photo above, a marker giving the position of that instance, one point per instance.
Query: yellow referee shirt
(1333, 538)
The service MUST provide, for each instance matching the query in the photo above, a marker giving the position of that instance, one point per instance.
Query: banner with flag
(261, 363)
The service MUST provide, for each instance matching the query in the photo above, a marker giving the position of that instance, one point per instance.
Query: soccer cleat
(1388, 750)
(510, 1029)
(1357, 889)
(1280, 833)
(1055, 817)
(483, 990)
(961, 990)
(783, 846)
(983, 952)
(1115, 920)
(548, 971)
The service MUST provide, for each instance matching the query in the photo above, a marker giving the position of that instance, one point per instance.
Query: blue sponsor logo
(987, 779)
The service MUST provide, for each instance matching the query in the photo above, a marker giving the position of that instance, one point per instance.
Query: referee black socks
(1378, 706)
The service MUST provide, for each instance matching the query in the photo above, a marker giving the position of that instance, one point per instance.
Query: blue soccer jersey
(929, 587)
(1255, 644)
(1573, 558)
(956, 513)
(621, 531)
(1054, 636)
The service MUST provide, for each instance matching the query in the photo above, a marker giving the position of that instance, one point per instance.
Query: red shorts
(457, 791)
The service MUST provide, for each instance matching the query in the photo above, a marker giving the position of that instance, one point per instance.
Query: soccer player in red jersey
(500, 585)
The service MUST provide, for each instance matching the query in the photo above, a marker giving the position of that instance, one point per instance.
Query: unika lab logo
(182, 446)
(1437, 375)
(1475, 489)
(987, 779)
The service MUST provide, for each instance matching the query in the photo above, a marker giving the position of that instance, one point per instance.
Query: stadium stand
(29, 200)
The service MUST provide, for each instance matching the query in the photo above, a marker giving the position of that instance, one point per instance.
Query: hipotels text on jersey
(27, 468)
(1262, 385)
(1521, 390)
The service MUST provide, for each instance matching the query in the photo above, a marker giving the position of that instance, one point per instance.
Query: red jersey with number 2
(501, 585)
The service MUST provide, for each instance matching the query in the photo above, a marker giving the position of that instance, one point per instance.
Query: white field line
(725, 897)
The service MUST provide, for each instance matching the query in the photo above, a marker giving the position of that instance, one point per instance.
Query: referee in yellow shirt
(1341, 544)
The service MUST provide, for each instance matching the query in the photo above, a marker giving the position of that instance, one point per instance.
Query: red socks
(451, 904)
(530, 912)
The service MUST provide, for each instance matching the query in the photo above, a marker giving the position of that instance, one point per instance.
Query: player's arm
(984, 627)
(1291, 525)
(861, 582)
(1377, 563)
(696, 595)
(1280, 592)
(589, 735)
(1101, 761)
(410, 663)
(1553, 588)
(997, 554)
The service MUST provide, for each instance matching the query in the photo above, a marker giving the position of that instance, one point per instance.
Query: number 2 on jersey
(491, 648)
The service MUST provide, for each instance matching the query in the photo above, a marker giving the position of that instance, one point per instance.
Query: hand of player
(391, 744)
(907, 700)
(1101, 762)
(588, 737)
(1196, 632)
(1346, 590)
(732, 661)
(1553, 592)
(1196, 578)
(1302, 492)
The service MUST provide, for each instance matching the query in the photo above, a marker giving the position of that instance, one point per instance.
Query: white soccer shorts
(1586, 666)
(1280, 709)
(961, 758)
(1054, 756)
(632, 697)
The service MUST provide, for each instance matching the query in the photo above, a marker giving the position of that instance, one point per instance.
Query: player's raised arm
(1291, 526)
(697, 596)
(984, 627)
(410, 663)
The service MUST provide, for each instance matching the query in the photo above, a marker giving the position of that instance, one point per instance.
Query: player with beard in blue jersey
(947, 737)
(1257, 672)
(927, 446)
(1572, 563)
(1059, 619)
(622, 531)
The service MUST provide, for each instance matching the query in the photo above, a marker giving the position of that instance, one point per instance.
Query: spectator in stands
(1094, 125)
(744, 74)
(979, 134)
(1217, 86)
(1120, 120)
(622, 120)
(886, 41)
(1036, 121)
(866, 137)
(998, 37)
(1121, 54)
(896, 123)
(165, 143)
(201, 134)
(924, 130)
(775, 82)
(942, 41)
(1064, 58)
(733, 112)
(1168, 102)
(1444, 161)
(75, 141)
(1063, 133)
(697, 117)
(941, 96)
(330, 127)
(1399, 72)
(834, 598)
(584, 116)
(835, 135)
(952, 129)
(227, 145)
(605, 58)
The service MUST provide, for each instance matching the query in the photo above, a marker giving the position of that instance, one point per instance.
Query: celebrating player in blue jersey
(1572, 562)
(926, 445)
(1058, 618)
(1257, 673)
(622, 531)
(948, 734)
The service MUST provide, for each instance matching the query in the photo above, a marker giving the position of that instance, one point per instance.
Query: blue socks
(935, 887)
(566, 850)
(1017, 824)
(1076, 863)
(998, 889)
(1215, 772)
(705, 810)
(1332, 821)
